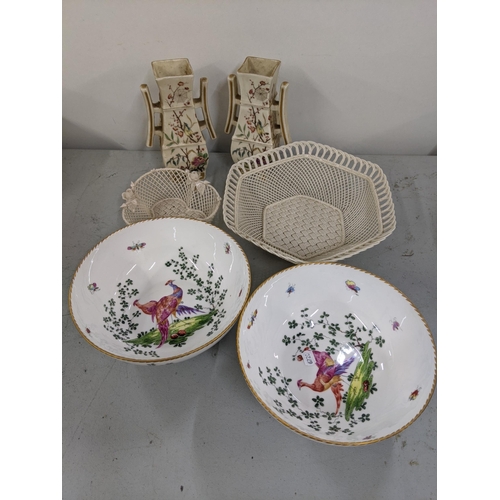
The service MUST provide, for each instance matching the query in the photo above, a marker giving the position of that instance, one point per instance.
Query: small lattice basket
(307, 202)
(170, 192)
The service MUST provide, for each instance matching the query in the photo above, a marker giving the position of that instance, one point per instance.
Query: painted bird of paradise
(328, 375)
(163, 309)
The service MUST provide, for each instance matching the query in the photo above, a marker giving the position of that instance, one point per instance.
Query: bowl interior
(159, 291)
(336, 354)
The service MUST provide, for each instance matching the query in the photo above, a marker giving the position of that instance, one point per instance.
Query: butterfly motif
(352, 286)
(136, 246)
(252, 319)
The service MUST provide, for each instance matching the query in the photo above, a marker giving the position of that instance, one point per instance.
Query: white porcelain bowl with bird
(160, 291)
(336, 354)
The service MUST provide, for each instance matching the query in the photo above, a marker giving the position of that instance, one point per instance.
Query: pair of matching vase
(256, 117)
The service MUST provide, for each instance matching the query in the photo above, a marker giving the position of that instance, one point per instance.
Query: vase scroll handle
(234, 101)
(283, 119)
(203, 103)
(151, 108)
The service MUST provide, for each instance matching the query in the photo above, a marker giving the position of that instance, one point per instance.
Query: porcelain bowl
(160, 291)
(336, 354)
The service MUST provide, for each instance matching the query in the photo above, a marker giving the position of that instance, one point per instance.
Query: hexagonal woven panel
(303, 226)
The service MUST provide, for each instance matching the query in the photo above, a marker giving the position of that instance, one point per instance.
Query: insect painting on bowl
(253, 317)
(136, 246)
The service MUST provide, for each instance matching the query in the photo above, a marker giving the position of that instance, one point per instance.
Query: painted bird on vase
(167, 306)
(260, 128)
(190, 133)
(328, 375)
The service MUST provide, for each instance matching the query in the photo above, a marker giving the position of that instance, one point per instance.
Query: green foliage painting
(174, 320)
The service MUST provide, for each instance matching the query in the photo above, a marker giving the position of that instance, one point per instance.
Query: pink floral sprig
(178, 95)
(260, 92)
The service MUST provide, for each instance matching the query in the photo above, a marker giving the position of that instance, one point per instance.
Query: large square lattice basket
(308, 202)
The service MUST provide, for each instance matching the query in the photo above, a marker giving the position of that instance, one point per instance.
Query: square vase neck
(172, 68)
(259, 66)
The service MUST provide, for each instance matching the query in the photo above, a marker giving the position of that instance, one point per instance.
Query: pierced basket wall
(169, 192)
(307, 202)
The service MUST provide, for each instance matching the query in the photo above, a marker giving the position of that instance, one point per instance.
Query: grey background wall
(362, 73)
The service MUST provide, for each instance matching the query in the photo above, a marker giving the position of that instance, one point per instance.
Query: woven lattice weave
(169, 192)
(303, 226)
(307, 202)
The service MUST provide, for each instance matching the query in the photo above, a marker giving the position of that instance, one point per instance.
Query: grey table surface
(194, 430)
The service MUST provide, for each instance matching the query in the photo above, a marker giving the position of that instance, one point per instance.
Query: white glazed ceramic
(336, 354)
(160, 291)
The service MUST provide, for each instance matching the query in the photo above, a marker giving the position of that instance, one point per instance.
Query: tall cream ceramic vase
(256, 117)
(181, 140)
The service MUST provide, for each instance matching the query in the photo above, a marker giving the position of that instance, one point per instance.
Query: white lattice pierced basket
(306, 202)
(170, 192)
